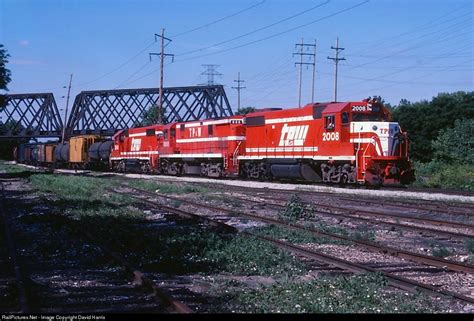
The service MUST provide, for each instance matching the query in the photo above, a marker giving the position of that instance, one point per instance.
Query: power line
(65, 113)
(132, 75)
(239, 88)
(416, 46)
(336, 62)
(256, 30)
(210, 72)
(218, 20)
(303, 45)
(279, 33)
(117, 68)
(162, 55)
(151, 44)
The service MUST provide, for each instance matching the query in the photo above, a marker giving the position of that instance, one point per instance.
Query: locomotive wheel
(343, 181)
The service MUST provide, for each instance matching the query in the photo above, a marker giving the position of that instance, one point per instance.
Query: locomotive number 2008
(330, 136)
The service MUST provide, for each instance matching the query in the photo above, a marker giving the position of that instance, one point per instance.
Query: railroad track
(351, 213)
(50, 285)
(394, 280)
(449, 209)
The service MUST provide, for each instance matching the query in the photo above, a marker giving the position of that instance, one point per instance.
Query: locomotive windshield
(369, 117)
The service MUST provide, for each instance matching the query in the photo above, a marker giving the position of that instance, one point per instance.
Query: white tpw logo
(293, 135)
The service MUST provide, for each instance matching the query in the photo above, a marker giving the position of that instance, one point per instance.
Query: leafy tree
(455, 145)
(150, 116)
(425, 119)
(5, 74)
(245, 110)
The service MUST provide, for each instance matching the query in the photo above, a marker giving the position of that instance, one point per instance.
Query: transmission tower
(210, 72)
(336, 62)
(239, 88)
(312, 55)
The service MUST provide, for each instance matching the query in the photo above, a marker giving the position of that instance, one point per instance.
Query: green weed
(355, 294)
(469, 244)
(295, 209)
(292, 236)
(441, 252)
(167, 188)
(250, 256)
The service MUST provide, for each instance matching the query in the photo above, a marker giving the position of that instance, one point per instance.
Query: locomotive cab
(381, 147)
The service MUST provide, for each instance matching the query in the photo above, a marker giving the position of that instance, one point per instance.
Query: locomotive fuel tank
(294, 171)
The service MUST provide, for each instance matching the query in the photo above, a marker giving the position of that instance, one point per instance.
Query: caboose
(341, 142)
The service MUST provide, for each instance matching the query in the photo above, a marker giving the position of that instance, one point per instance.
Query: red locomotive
(350, 142)
(136, 149)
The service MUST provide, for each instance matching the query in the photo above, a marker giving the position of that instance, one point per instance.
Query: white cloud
(24, 42)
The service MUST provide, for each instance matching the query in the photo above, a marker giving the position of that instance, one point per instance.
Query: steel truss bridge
(106, 111)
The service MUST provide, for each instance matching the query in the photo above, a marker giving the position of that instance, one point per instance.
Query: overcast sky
(410, 49)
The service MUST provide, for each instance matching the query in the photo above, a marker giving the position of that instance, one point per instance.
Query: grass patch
(295, 209)
(11, 168)
(167, 188)
(441, 252)
(248, 255)
(72, 187)
(356, 294)
(293, 236)
(364, 234)
(469, 245)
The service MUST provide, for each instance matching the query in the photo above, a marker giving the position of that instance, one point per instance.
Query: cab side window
(329, 122)
(345, 117)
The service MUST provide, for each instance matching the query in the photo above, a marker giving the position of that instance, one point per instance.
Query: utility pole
(210, 73)
(239, 87)
(67, 105)
(336, 61)
(162, 55)
(303, 45)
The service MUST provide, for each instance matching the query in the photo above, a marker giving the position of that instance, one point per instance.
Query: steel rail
(373, 247)
(396, 281)
(380, 214)
(334, 195)
(447, 210)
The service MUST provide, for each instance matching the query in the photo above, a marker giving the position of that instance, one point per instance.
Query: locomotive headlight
(374, 128)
